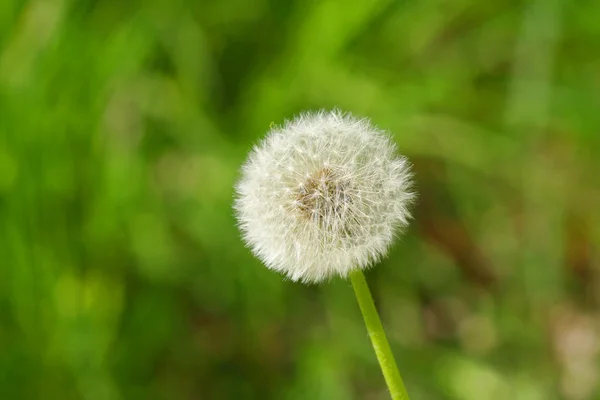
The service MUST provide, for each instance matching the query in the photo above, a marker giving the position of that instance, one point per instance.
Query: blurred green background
(122, 128)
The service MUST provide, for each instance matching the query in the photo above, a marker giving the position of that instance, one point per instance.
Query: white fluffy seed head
(322, 196)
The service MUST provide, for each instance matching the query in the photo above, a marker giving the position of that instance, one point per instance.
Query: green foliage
(123, 124)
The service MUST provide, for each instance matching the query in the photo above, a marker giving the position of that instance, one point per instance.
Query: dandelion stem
(378, 337)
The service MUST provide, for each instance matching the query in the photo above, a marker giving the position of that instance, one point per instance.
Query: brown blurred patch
(438, 223)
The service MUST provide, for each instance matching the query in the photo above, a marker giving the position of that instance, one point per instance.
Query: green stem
(378, 337)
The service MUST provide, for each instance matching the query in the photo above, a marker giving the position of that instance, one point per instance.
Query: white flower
(322, 196)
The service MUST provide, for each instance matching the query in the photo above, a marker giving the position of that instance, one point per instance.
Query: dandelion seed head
(323, 195)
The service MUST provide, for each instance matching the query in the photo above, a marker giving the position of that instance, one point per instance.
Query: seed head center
(323, 197)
